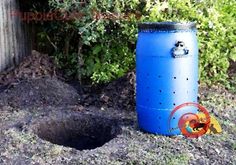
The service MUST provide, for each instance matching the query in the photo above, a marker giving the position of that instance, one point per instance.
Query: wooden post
(14, 38)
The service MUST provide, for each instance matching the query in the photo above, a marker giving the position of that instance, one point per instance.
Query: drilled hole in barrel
(79, 132)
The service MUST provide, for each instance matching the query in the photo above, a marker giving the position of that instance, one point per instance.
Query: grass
(178, 160)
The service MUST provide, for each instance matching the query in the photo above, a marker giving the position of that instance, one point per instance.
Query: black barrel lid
(167, 26)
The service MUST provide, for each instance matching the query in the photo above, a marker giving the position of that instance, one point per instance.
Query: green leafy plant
(216, 31)
(100, 44)
(105, 38)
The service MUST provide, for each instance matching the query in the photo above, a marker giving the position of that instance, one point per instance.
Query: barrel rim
(167, 26)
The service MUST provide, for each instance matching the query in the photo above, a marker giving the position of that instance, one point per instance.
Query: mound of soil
(34, 66)
(39, 92)
(119, 94)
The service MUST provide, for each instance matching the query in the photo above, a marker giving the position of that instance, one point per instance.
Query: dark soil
(39, 92)
(119, 94)
(232, 68)
(35, 66)
(78, 131)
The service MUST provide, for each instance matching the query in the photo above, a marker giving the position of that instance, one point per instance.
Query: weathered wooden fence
(14, 36)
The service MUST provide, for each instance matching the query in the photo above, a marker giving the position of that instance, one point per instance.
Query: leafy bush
(216, 31)
(103, 38)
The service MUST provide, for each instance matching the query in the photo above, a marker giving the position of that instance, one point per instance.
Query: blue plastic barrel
(166, 74)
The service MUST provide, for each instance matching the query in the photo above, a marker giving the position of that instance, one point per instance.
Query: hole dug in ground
(79, 132)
